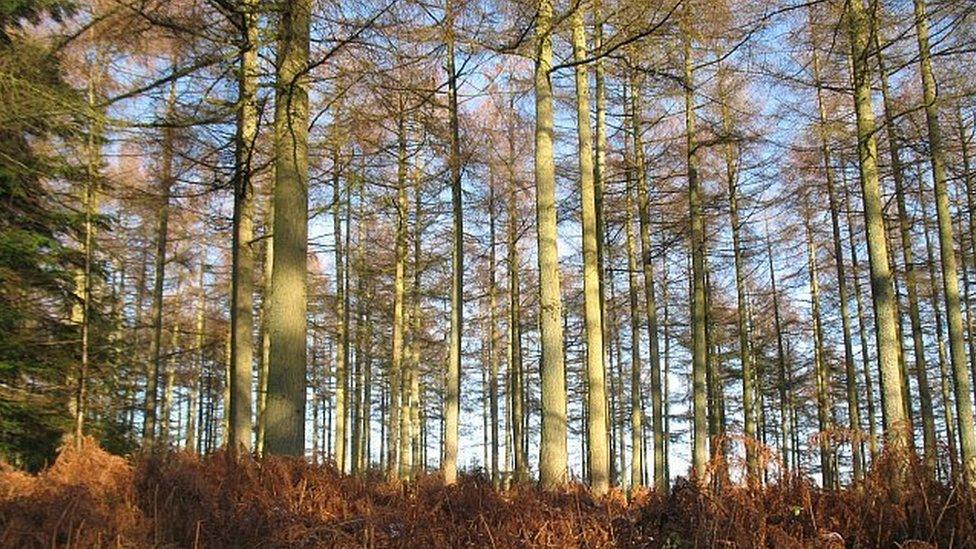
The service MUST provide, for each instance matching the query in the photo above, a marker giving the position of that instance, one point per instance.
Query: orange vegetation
(91, 498)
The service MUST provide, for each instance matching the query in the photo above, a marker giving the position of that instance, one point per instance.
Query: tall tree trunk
(666, 360)
(785, 391)
(853, 409)
(598, 456)
(861, 322)
(162, 231)
(265, 337)
(287, 322)
(84, 293)
(242, 271)
(361, 424)
(342, 322)
(897, 436)
(399, 295)
(944, 374)
(970, 189)
(821, 369)
(514, 348)
(911, 286)
(636, 400)
(492, 338)
(452, 396)
(745, 358)
(192, 423)
(950, 274)
(553, 467)
(600, 158)
(699, 345)
(647, 264)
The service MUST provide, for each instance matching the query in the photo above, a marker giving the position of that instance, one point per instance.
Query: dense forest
(487, 272)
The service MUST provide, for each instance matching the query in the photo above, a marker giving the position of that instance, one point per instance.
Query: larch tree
(287, 323)
(553, 467)
(950, 277)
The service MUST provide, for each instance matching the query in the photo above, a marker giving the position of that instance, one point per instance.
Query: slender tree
(882, 291)
(950, 274)
(553, 468)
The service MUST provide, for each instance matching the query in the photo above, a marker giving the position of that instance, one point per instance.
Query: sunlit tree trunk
(861, 322)
(415, 395)
(636, 400)
(881, 277)
(598, 455)
(514, 347)
(341, 320)
(81, 312)
(821, 371)
(287, 322)
(452, 396)
(745, 357)
(192, 423)
(970, 190)
(647, 265)
(944, 375)
(911, 286)
(242, 270)
(399, 290)
(553, 468)
(265, 336)
(360, 457)
(950, 274)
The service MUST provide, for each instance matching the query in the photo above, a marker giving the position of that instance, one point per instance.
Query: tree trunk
(853, 409)
(944, 374)
(881, 277)
(162, 231)
(636, 400)
(287, 320)
(242, 273)
(342, 322)
(745, 358)
(647, 264)
(452, 396)
(821, 369)
(399, 291)
(492, 338)
(861, 323)
(785, 391)
(553, 467)
(598, 456)
(950, 274)
(514, 348)
(699, 344)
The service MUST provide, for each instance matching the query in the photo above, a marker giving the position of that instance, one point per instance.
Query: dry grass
(90, 498)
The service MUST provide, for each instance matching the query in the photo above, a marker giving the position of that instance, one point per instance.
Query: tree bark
(598, 456)
(897, 436)
(162, 230)
(950, 273)
(287, 322)
(452, 396)
(242, 277)
(699, 344)
(553, 467)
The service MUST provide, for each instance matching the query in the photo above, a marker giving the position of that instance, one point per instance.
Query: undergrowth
(91, 498)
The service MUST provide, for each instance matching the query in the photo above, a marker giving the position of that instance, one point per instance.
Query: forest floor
(89, 497)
